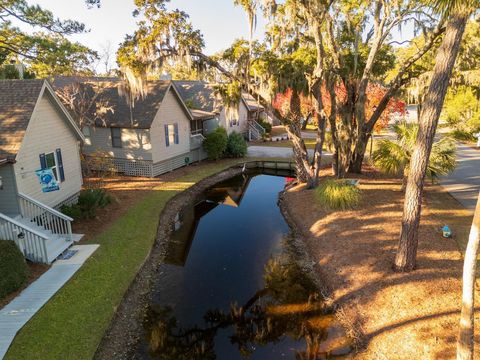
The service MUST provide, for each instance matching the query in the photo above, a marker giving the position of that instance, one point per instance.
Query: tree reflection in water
(288, 305)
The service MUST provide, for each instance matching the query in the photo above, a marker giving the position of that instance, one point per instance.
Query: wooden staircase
(40, 232)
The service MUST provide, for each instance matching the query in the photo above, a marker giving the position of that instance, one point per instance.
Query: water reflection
(229, 288)
(287, 306)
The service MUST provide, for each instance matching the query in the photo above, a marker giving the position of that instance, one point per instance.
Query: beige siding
(8, 191)
(46, 132)
(241, 114)
(170, 112)
(135, 143)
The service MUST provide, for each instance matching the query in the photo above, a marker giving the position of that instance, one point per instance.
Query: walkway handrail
(46, 217)
(30, 242)
(258, 127)
(45, 207)
(196, 140)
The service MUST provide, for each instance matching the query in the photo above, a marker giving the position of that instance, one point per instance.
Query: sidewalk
(464, 183)
(21, 309)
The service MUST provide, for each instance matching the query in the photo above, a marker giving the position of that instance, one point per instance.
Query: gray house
(37, 136)
(152, 135)
(200, 98)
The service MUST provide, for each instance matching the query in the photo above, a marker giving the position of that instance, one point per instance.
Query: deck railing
(255, 130)
(196, 141)
(30, 242)
(45, 217)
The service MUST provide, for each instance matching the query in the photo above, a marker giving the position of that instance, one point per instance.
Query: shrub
(236, 145)
(462, 135)
(266, 125)
(337, 195)
(13, 268)
(89, 202)
(216, 143)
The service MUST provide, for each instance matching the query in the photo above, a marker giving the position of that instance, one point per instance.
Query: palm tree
(394, 156)
(458, 12)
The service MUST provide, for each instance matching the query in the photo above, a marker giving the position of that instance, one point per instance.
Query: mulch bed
(392, 315)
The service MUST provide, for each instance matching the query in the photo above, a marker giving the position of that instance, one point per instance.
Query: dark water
(229, 289)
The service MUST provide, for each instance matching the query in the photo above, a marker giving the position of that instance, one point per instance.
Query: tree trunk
(434, 98)
(465, 344)
(359, 152)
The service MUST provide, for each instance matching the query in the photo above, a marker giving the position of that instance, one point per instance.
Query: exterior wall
(8, 192)
(170, 112)
(135, 143)
(46, 132)
(210, 125)
(241, 114)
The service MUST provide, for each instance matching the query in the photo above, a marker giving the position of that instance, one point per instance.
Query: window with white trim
(171, 134)
(51, 162)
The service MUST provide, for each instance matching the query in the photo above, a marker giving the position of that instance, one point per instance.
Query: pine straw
(393, 315)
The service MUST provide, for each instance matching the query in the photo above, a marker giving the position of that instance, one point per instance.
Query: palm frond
(442, 158)
(390, 157)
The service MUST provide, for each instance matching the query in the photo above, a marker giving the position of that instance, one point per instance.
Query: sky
(219, 21)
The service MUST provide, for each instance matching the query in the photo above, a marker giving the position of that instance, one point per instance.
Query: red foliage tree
(375, 93)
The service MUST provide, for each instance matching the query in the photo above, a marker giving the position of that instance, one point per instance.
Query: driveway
(272, 151)
(464, 182)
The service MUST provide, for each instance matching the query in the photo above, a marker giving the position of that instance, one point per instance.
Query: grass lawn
(72, 323)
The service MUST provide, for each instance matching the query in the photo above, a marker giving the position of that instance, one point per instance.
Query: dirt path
(400, 316)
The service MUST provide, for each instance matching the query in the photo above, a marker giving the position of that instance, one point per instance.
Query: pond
(229, 288)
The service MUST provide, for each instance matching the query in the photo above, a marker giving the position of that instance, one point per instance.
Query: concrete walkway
(21, 309)
(464, 182)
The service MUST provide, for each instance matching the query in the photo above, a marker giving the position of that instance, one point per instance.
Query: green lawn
(72, 323)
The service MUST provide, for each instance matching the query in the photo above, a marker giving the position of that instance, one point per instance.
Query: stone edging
(126, 325)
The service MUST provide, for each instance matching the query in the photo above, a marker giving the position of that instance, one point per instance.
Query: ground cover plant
(13, 268)
(338, 194)
(89, 201)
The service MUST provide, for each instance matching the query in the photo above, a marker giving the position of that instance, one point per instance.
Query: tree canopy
(47, 50)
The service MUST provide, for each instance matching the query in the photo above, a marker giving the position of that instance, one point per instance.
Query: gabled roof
(18, 99)
(251, 103)
(199, 97)
(111, 107)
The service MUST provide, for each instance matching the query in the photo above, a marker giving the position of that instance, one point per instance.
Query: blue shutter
(175, 126)
(43, 162)
(167, 140)
(60, 164)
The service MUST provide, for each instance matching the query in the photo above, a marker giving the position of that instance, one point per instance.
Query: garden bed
(391, 315)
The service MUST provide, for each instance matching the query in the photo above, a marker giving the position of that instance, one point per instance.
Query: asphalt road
(464, 182)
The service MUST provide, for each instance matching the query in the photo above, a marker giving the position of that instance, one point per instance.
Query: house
(149, 136)
(208, 109)
(38, 141)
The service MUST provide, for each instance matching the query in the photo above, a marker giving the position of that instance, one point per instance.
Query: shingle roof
(17, 102)
(251, 102)
(111, 107)
(199, 97)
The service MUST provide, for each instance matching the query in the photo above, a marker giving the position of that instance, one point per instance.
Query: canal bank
(127, 327)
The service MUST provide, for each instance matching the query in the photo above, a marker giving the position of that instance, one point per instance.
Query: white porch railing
(196, 141)
(45, 217)
(255, 130)
(30, 242)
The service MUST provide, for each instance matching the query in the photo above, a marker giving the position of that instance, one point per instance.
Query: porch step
(56, 244)
(55, 247)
